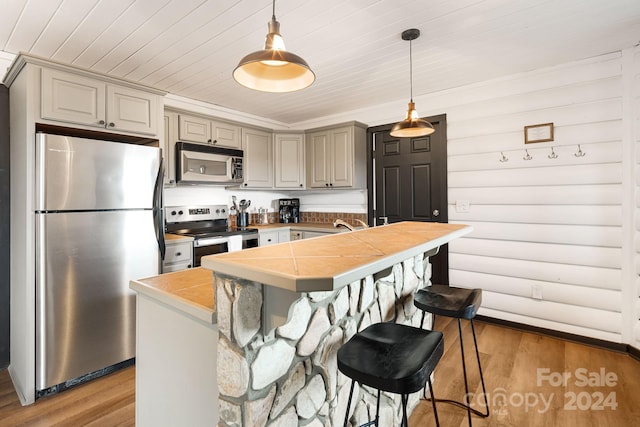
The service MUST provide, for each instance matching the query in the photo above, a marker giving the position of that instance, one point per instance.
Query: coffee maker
(289, 210)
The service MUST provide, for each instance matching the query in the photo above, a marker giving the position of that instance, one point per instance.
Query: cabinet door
(72, 98)
(289, 161)
(284, 236)
(225, 134)
(341, 157)
(266, 238)
(165, 149)
(131, 110)
(170, 138)
(194, 129)
(258, 158)
(318, 149)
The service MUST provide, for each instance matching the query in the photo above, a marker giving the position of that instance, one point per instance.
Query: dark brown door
(411, 182)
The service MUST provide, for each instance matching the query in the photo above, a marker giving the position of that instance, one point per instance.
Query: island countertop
(190, 291)
(330, 262)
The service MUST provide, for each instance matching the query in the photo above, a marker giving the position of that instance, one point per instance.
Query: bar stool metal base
(394, 358)
(461, 304)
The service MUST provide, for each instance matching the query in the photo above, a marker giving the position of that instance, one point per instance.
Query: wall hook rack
(553, 154)
(527, 156)
(580, 153)
(503, 158)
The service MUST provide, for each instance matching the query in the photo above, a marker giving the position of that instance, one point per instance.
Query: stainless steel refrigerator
(98, 225)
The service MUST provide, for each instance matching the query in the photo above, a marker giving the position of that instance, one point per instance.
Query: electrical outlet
(462, 206)
(536, 292)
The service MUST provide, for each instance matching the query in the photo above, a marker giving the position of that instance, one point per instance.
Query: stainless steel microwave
(207, 164)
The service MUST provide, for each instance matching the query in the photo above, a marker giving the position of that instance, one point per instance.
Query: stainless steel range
(209, 227)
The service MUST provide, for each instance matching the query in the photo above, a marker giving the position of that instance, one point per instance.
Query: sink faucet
(338, 222)
(364, 224)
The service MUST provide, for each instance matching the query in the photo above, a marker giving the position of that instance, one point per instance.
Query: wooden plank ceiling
(190, 47)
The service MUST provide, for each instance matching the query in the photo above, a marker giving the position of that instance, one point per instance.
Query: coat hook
(580, 153)
(553, 154)
(528, 156)
(504, 158)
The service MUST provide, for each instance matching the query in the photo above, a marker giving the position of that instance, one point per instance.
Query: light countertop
(304, 226)
(330, 262)
(168, 237)
(190, 291)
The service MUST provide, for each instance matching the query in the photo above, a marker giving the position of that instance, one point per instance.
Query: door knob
(436, 212)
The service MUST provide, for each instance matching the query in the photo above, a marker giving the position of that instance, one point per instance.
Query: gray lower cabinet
(178, 256)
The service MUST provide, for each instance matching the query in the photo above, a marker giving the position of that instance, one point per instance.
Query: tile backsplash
(310, 218)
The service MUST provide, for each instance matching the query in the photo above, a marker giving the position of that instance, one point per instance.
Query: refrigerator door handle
(157, 210)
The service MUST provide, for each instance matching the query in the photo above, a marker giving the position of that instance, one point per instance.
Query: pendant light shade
(412, 126)
(274, 69)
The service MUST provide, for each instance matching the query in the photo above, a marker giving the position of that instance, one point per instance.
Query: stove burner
(202, 222)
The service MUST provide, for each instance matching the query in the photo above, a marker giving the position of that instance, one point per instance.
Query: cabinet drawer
(268, 238)
(178, 266)
(178, 252)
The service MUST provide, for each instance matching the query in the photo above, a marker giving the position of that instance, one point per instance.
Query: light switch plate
(536, 292)
(462, 206)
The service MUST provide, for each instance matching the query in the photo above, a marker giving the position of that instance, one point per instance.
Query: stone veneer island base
(333, 286)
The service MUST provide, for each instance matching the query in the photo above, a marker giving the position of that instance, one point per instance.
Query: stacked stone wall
(289, 377)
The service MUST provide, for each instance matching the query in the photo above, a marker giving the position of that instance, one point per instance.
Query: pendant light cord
(410, 68)
(273, 14)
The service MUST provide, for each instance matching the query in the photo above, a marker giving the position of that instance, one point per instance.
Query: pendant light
(274, 69)
(412, 126)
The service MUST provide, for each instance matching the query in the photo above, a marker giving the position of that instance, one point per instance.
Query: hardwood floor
(510, 359)
(107, 401)
(520, 395)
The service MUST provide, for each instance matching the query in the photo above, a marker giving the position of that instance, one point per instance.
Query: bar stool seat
(457, 303)
(391, 357)
(449, 301)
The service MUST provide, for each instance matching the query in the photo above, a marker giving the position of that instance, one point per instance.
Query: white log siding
(563, 224)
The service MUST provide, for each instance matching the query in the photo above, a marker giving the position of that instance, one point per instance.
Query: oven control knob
(173, 213)
(224, 210)
(217, 211)
(180, 212)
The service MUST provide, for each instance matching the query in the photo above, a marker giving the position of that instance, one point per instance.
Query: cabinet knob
(436, 212)
(215, 141)
(300, 185)
(245, 184)
(208, 141)
(268, 240)
(111, 124)
(178, 253)
(330, 185)
(101, 122)
(327, 184)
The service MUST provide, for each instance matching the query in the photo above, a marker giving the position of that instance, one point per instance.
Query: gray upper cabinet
(336, 157)
(203, 130)
(258, 158)
(83, 100)
(289, 152)
(168, 146)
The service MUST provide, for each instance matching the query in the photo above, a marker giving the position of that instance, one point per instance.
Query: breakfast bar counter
(330, 262)
(260, 349)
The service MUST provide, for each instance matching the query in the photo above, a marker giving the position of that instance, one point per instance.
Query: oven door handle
(210, 241)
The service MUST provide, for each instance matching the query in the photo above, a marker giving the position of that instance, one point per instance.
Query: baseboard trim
(633, 352)
(594, 342)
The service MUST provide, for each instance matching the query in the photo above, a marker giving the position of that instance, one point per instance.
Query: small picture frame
(538, 133)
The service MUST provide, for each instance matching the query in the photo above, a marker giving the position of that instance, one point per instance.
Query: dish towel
(235, 243)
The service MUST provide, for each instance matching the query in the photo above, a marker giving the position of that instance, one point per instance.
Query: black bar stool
(458, 303)
(394, 358)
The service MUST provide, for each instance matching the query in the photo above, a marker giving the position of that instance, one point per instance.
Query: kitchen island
(283, 311)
